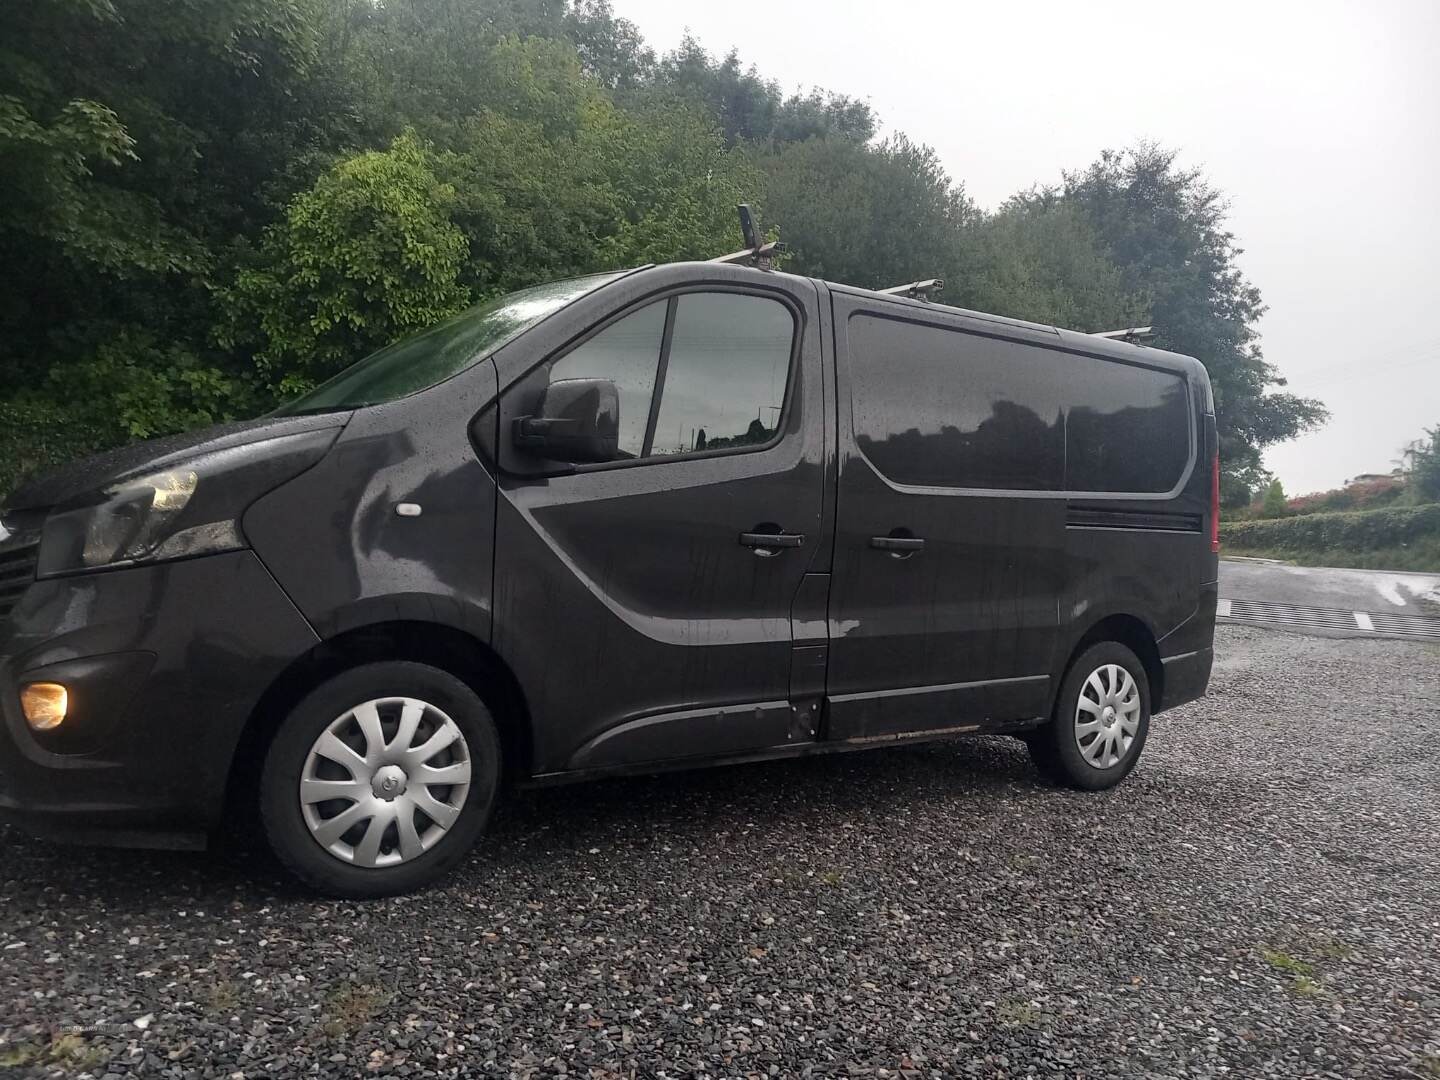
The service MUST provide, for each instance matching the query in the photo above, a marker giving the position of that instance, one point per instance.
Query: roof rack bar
(916, 290)
(1133, 334)
(757, 252)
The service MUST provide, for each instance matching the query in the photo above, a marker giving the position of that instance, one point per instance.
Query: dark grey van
(681, 515)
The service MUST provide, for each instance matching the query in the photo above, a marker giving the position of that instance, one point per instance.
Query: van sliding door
(949, 526)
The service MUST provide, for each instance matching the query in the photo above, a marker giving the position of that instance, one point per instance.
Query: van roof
(1070, 340)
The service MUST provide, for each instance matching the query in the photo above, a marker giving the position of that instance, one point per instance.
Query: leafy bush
(1369, 495)
(366, 256)
(1367, 530)
(1273, 505)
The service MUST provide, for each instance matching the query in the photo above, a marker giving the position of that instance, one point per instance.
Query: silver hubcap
(1107, 716)
(385, 781)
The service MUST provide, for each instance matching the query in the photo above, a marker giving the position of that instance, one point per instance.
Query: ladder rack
(1134, 335)
(916, 290)
(761, 254)
(757, 252)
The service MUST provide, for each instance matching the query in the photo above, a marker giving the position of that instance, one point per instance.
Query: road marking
(1299, 617)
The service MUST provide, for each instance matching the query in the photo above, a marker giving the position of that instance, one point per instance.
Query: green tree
(1422, 467)
(364, 257)
(1274, 505)
(1043, 261)
(209, 204)
(591, 188)
(610, 49)
(869, 216)
(1164, 227)
(136, 139)
(562, 182)
(753, 108)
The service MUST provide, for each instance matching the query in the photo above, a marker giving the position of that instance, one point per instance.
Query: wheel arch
(1134, 634)
(436, 644)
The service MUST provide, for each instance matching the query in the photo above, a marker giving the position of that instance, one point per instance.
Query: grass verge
(1422, 556)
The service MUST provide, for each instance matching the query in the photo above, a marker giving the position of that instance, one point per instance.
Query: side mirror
(576, 420)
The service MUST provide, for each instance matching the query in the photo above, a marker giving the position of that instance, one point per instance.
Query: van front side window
(721, 381)
(627, 353)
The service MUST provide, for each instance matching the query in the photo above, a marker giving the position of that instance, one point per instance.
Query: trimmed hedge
(1364, 530)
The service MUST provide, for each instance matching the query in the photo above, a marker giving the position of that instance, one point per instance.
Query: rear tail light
(1215, 503)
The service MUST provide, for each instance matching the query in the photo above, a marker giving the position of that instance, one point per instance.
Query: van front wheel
(380, 780)
(1101, 720)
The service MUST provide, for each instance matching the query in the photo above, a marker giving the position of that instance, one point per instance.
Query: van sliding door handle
(897, 543)
(767, 543)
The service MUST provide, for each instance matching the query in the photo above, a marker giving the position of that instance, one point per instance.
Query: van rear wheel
(1100, 722)
(380, 780)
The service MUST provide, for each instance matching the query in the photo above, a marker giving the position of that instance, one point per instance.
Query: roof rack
(757, 252)
(1134, 335)
(916, 290)
(761, 254)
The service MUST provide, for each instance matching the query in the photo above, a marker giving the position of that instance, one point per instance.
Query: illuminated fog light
(44, 705)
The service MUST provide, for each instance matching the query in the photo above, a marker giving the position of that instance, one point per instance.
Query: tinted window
(627, 353)
(725, 377)
(1128, 428)
(721, 382)
(942, 408)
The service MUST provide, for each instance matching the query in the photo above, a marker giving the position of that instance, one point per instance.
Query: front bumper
(165, 665)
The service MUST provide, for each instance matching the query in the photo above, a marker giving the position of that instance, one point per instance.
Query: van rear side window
(934, 407)
(1127, 428)
(939, 408)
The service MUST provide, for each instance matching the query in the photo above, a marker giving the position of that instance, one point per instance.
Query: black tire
(1056, 749)
(280, 805)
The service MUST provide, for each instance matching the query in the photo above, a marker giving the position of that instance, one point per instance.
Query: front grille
(17, 571)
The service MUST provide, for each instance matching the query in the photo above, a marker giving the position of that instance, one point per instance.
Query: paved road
(1259, 899)
(1327, 587)
(1330, 602)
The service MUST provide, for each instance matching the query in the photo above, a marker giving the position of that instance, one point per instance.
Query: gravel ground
(1261, 898)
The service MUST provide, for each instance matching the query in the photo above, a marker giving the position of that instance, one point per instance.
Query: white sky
(1321, 121)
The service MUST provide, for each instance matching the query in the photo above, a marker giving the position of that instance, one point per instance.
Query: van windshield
(421, 361)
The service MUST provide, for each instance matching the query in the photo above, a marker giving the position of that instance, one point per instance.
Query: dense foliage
(1273, 504)
(1422, 466)
(1365, 495)
(211, 206)
(1415, 483)
(1397, 538)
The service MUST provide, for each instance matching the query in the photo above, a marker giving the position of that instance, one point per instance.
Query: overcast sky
(1321, 121)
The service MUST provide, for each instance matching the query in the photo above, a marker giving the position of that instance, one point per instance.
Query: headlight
(190, 508)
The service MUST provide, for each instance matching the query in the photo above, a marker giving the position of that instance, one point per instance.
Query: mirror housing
(576, 420)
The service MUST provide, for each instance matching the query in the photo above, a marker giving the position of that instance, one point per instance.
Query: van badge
(408, 509)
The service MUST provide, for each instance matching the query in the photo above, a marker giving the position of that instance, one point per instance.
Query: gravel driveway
(1261, 898)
